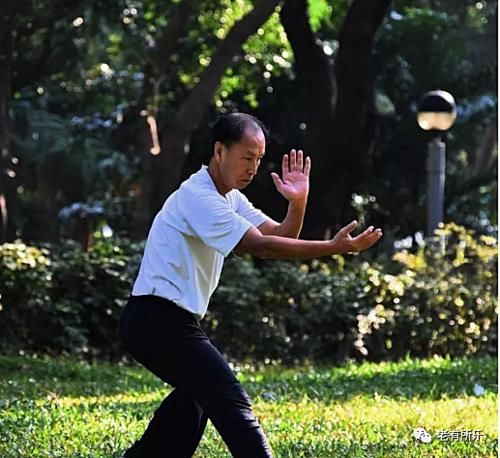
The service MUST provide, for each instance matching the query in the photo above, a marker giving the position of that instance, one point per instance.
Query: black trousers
(169, 342)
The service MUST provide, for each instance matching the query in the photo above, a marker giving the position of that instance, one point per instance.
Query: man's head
(239, 142)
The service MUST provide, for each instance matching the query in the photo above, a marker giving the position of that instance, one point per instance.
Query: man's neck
(215, 175)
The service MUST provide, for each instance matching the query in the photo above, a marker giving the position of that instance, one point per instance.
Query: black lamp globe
(436, 111)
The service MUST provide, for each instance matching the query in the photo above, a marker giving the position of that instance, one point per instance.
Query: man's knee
(185, 402)
(232, 402)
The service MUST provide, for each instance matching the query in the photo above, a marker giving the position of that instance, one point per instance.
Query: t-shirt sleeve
(246, 209)
(212, 219)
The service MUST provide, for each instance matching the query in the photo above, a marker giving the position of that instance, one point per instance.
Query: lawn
(60, 408)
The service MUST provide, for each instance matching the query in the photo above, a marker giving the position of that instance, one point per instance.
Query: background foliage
(83, 72)
(79, 83)
(421, 302)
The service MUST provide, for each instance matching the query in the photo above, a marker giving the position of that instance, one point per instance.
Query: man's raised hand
(294, 184)
(344, 243)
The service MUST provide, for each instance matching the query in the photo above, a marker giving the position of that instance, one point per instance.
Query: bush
(63, 299)
(293, 311)
(450, 301)
(429, 301)
(93, 287)
(432, 302)
(25, 303)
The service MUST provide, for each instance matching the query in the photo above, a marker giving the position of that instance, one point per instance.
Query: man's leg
(178, 415)
(231, 413)
(203, 373)
(147, 330)
(171, 344)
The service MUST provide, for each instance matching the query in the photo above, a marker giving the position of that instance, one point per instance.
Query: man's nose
(253, 167)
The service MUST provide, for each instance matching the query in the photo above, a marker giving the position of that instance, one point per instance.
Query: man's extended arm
(271, 246)
(294, 186)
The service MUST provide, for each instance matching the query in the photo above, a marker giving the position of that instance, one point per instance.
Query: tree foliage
(86, 76)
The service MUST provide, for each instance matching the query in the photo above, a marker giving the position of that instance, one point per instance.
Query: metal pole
(436, 163)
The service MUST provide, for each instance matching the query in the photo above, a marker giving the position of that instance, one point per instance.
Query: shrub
(25, 305)
(450, 303)
(429, 301)
(94, 287)
(60, 299)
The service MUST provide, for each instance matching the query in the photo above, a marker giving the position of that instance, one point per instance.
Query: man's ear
(218, 150)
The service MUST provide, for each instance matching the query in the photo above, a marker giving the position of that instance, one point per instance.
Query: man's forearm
(292, 224)
(276, 247)
(272, 246)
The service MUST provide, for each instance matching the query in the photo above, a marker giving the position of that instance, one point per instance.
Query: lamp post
(437, 112)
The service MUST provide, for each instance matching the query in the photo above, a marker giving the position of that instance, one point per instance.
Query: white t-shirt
(189, 239)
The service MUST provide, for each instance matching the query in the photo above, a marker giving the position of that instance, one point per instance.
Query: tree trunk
(484, 155)
(7, 16)
(314, 72)
(317, 95)
(342, 133)
(162, 172)
(354, 128)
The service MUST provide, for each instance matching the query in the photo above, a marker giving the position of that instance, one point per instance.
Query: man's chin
(243, 184)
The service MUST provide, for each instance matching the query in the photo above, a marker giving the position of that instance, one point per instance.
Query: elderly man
(199, 225)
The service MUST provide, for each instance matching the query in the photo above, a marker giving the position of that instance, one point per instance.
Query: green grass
(59, 408)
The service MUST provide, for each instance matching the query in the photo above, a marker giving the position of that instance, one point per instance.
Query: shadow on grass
(29, 378)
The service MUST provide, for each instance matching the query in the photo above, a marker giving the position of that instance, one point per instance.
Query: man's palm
(294, 184)
(361, 242)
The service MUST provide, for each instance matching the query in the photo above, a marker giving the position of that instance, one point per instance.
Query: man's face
(239, 163)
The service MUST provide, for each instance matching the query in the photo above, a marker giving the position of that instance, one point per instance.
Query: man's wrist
(299, 202)
(333, 247)
(341, 248)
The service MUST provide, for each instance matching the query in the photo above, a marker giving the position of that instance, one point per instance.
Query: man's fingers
(293, 160)
(284, 165)
(300, 161)
(366, 231)
(277, 181)
(367, 238)
(307, 168)
(367, 234)
(373, 238)
(349, 228)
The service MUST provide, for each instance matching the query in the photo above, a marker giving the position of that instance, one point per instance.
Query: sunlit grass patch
(61, 408)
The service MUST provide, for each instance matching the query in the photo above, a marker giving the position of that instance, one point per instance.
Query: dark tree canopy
(106, 106)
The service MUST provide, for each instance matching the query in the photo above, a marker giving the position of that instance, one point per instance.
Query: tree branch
(168, 38)
(192, 109)
(484, 154)
(162, 172)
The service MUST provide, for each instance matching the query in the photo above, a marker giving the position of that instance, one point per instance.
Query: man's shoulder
(198, 190)
(195, 183)
(199, 186)
(237, 198)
